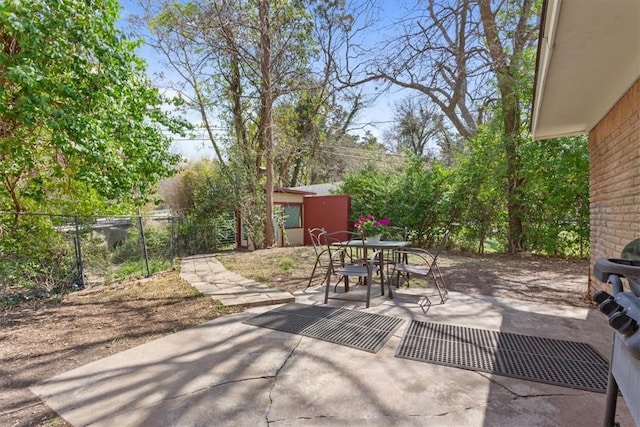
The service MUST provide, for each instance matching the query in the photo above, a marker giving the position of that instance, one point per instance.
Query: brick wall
(614, 179)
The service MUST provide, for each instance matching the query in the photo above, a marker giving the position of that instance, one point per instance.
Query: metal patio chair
(340, 240)
(321, 248)
(423, 264)
(399, 234)
(346, 264)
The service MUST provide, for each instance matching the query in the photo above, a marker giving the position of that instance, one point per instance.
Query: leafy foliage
(371, 190)
(415, 198)
(34, 256)
(557, 195)
(128, 259)
(477, 194)
(470, 200)
(199, 188)
(423, 192)
(81, 128)
(78, 119)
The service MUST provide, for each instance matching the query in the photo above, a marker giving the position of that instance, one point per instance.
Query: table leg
(381, 264)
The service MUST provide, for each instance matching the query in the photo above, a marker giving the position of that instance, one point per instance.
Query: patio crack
(275, 378)
(221, 384)
(181, 395)
(517, 396)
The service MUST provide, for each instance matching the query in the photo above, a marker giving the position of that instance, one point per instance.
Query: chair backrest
(442, 245)
(344, 240)
(395, 233)
(318, 239)
(340, 238)
(336, 237)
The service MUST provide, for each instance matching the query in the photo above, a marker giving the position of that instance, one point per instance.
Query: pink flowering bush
(368, 226)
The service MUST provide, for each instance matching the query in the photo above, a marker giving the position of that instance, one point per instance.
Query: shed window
(293, 216)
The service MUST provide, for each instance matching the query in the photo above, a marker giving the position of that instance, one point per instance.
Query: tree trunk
(515, 206)
(235, 89)
(266, 120)
(505, 69)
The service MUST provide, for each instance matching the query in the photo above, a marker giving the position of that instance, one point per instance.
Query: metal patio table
(385, 247)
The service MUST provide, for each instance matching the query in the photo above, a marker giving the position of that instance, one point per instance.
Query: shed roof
(291, 190)
(319, 189)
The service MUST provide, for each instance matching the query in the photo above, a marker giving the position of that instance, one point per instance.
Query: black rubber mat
(564, 363)
(364, 331)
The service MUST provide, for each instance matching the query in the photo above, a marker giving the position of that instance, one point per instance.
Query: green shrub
(34, 256)
(157, 240)
(137, 268)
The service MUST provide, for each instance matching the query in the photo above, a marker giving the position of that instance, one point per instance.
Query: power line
(227, 128)
(338, 150)
(375, 122)
(372, 158)
(335, 151)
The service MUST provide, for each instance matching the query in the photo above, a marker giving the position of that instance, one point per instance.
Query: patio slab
(225, 372)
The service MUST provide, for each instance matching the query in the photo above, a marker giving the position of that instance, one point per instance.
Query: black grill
(622, 309)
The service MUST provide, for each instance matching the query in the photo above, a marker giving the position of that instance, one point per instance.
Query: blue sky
(191, 149)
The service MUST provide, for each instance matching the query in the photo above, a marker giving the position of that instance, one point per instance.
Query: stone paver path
(206, 274)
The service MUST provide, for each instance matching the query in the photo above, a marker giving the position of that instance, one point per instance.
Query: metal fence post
(214, 237)
(144, 246)
(79, 264)
(171, 242)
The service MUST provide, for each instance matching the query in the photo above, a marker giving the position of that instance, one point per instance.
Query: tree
(254, 67)
(417, 128)
(78, 118)
(471, 59)
(435, 49)
(508, 62)
(299, 124)
(195, 189)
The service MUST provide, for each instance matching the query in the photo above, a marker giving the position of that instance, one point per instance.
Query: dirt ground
(532, 278)
(40, 339)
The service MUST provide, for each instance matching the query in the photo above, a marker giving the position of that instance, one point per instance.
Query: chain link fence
(43, 254)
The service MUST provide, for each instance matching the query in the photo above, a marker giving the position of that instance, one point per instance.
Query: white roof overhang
(588, 57)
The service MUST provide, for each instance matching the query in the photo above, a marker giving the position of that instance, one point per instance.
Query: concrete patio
(225, 372)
